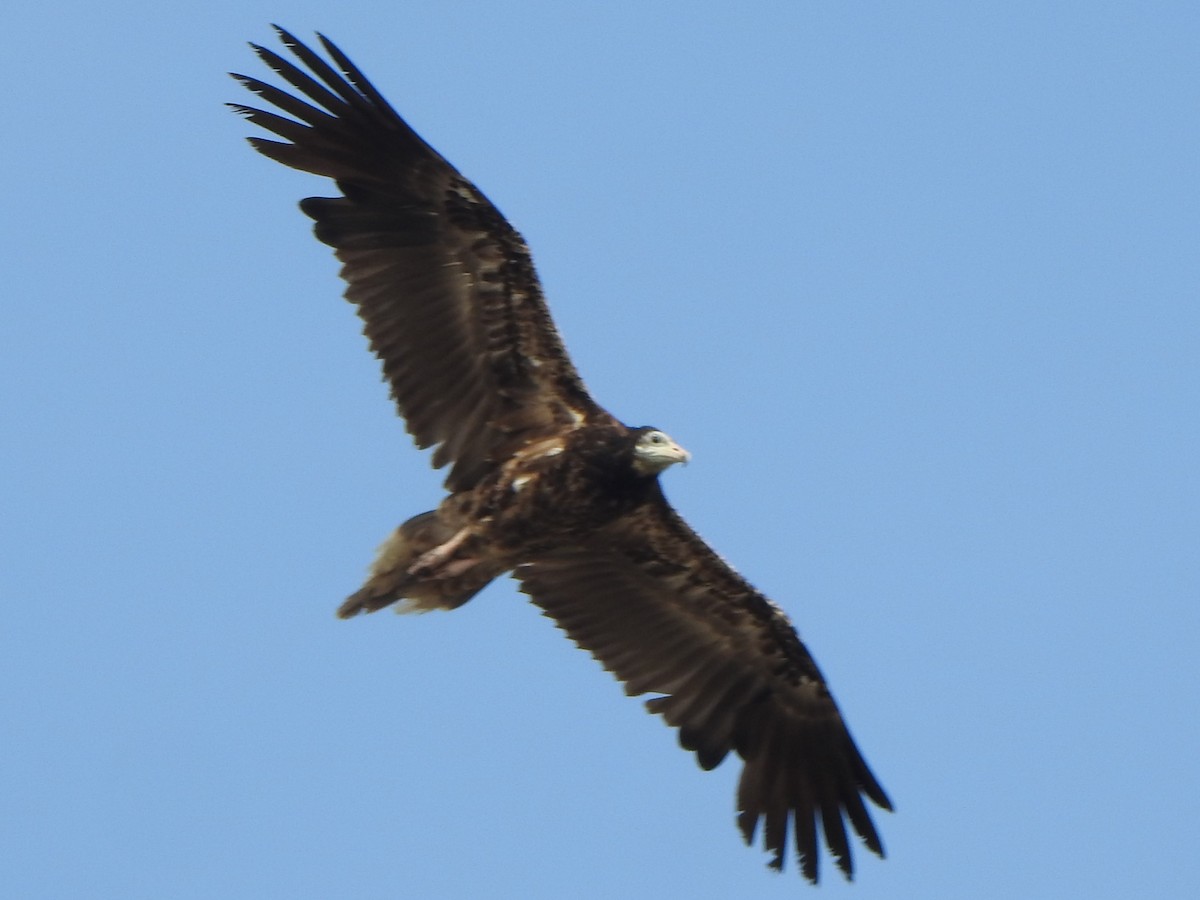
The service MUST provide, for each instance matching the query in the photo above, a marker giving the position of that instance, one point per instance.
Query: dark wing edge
(650, 600)
(445, 286)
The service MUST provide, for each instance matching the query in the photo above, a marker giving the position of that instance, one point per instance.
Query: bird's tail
(406, 570)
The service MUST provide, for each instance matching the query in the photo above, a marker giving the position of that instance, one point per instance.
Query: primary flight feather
(543, 482)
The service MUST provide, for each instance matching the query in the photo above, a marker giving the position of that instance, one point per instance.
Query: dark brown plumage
(543, 482)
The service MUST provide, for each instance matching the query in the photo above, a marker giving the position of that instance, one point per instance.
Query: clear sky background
(917, 284)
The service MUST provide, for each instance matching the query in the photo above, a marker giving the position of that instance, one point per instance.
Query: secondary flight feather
(543, 482)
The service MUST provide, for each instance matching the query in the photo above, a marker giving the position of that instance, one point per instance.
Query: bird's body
(442, 558)
(543, 482)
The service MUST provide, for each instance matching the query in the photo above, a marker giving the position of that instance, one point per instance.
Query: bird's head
(654, 451)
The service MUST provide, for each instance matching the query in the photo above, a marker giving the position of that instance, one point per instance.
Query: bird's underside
(544, 482)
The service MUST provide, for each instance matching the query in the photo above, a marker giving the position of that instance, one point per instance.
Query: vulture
(542, 481)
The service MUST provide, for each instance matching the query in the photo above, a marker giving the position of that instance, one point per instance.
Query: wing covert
(446, 288)
(657, 607)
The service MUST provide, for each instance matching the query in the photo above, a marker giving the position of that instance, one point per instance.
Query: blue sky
(917, 285)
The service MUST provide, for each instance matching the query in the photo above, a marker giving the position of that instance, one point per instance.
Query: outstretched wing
(445, 286)
(657, 607)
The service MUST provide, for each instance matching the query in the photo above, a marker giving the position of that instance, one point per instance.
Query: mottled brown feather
(666, 615)
(452, 307)
(445, 286)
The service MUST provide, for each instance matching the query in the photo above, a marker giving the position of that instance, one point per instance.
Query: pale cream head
(655, 451)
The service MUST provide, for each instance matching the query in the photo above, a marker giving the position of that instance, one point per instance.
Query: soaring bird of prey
(543, 482)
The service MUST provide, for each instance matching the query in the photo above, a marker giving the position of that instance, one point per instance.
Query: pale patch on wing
(524, 466)
(546, 447)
